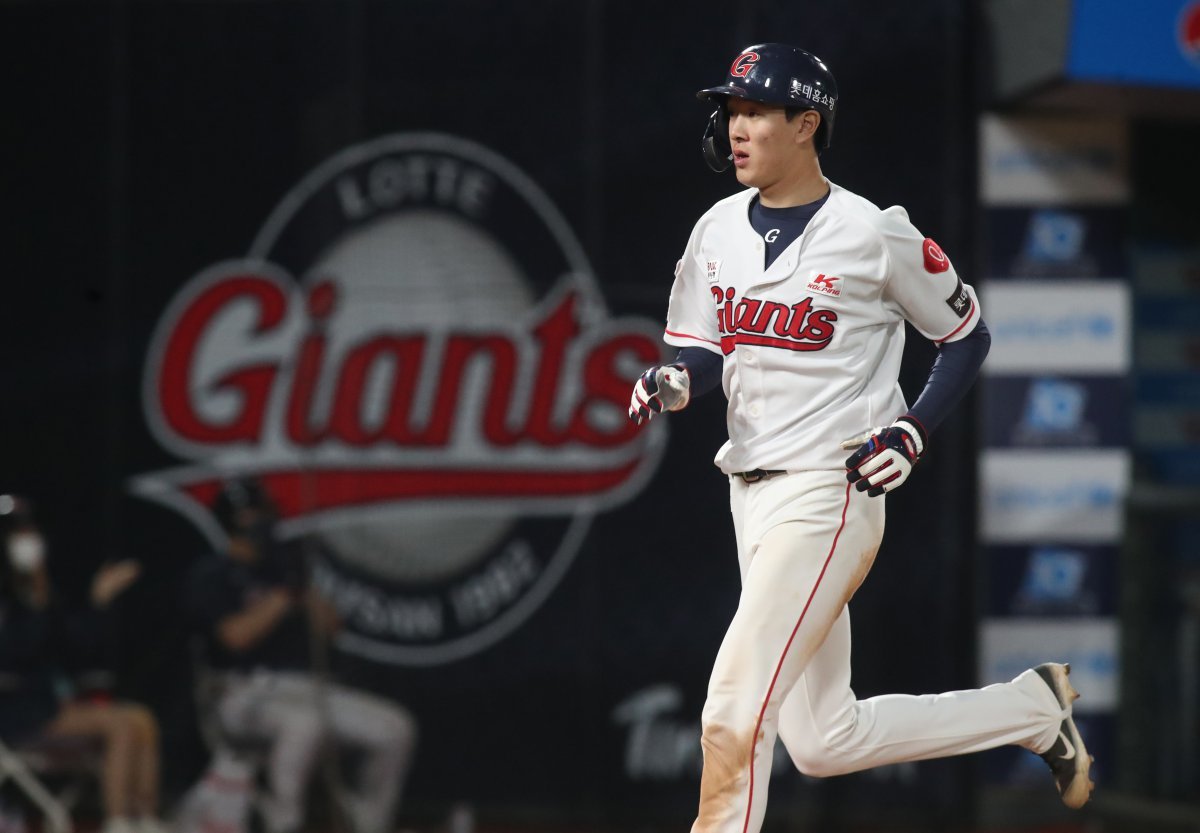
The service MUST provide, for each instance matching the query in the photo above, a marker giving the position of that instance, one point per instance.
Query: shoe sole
(1080, 790)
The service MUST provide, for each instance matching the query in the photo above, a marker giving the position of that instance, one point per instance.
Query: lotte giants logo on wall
(414, 360)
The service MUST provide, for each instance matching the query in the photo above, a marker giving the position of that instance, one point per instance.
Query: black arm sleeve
(953, 372)
(703, 366)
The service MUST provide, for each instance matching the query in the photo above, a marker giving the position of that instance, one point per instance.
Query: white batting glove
(663, 388)
(885, 456)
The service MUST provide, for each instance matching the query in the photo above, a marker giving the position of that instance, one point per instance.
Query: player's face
(766, 146)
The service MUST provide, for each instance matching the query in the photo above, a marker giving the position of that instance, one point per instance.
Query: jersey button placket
(751, 370)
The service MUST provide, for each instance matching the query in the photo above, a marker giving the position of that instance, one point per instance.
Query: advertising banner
(1055, 242)
(1056, 411)
(1040, 327)
(1166, 34)
(1056, 469)
(1009, 646)
(1053, 496)
(1039, 161)
(1051, 580)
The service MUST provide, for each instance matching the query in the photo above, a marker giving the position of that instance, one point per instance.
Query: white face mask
(26, 551)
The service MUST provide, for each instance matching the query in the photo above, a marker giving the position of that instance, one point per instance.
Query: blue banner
(1056, 411)
(1059, 580)
(1152, 42)
(1059, 242)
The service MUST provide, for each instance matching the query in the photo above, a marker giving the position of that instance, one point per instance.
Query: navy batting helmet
(237, 494)
(775, 74)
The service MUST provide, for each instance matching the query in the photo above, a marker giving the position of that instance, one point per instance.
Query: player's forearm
(703, 366)
(951, 376)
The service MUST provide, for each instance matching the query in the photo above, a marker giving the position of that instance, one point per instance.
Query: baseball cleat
(1067, 758)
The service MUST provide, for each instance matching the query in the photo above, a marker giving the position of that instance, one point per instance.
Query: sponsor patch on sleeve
(959, 300)
(935, 259)
(714, 270)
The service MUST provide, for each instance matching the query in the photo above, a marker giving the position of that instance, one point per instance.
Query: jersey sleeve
(922, 283)
(691, 314)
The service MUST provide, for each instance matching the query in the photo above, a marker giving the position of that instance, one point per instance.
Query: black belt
(755, 475)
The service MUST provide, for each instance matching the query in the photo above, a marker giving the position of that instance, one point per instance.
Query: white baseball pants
(282, 707)
(805, 543)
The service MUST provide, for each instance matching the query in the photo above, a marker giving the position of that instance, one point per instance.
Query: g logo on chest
(772, 235)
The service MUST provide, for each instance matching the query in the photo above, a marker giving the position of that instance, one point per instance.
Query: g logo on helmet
(743, 64)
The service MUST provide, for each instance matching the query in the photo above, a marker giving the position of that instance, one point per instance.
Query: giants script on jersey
(767, 323)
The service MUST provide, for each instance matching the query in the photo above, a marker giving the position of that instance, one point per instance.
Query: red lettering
(606, 388)
(718, 297)
(553, 335)
(176, 386)
(321, 302)
(747, 309)
(404, 353)
(798, 328)
(460, 350)
(304, 386)
(393, 366)
(772, 310)
(820, 326)
(795, 325)
(730, 324)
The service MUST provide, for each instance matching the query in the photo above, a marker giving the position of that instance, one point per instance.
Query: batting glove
(885, 456)
(662, 388)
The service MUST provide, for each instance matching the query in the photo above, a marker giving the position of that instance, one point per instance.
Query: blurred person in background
(263, 627)
(41, 641)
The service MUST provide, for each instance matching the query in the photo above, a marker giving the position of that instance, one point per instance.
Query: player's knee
(815, 763)
(116, 726)
(398, 729)
(299, 730)
(141, 722)
(811, 755)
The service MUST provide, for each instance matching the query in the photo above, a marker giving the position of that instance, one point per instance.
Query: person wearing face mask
(38, 636)
(262, 627)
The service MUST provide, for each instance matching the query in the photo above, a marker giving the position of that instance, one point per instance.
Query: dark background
(144, 141)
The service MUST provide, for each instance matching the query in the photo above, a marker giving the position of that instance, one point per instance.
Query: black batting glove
(885, 456)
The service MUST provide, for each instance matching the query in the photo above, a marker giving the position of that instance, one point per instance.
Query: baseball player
(792, 295)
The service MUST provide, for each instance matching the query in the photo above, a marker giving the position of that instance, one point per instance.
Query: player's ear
(806, 125)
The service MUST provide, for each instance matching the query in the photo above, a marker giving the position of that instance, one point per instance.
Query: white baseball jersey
(812, 345)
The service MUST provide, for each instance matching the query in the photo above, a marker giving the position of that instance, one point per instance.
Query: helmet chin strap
(715, 142)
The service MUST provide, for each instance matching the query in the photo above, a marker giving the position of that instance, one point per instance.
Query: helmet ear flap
(715, 142)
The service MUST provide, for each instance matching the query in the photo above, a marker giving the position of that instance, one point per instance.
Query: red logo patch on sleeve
(935, 259)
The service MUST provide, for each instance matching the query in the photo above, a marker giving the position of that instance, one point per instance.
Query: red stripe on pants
(786, 648)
